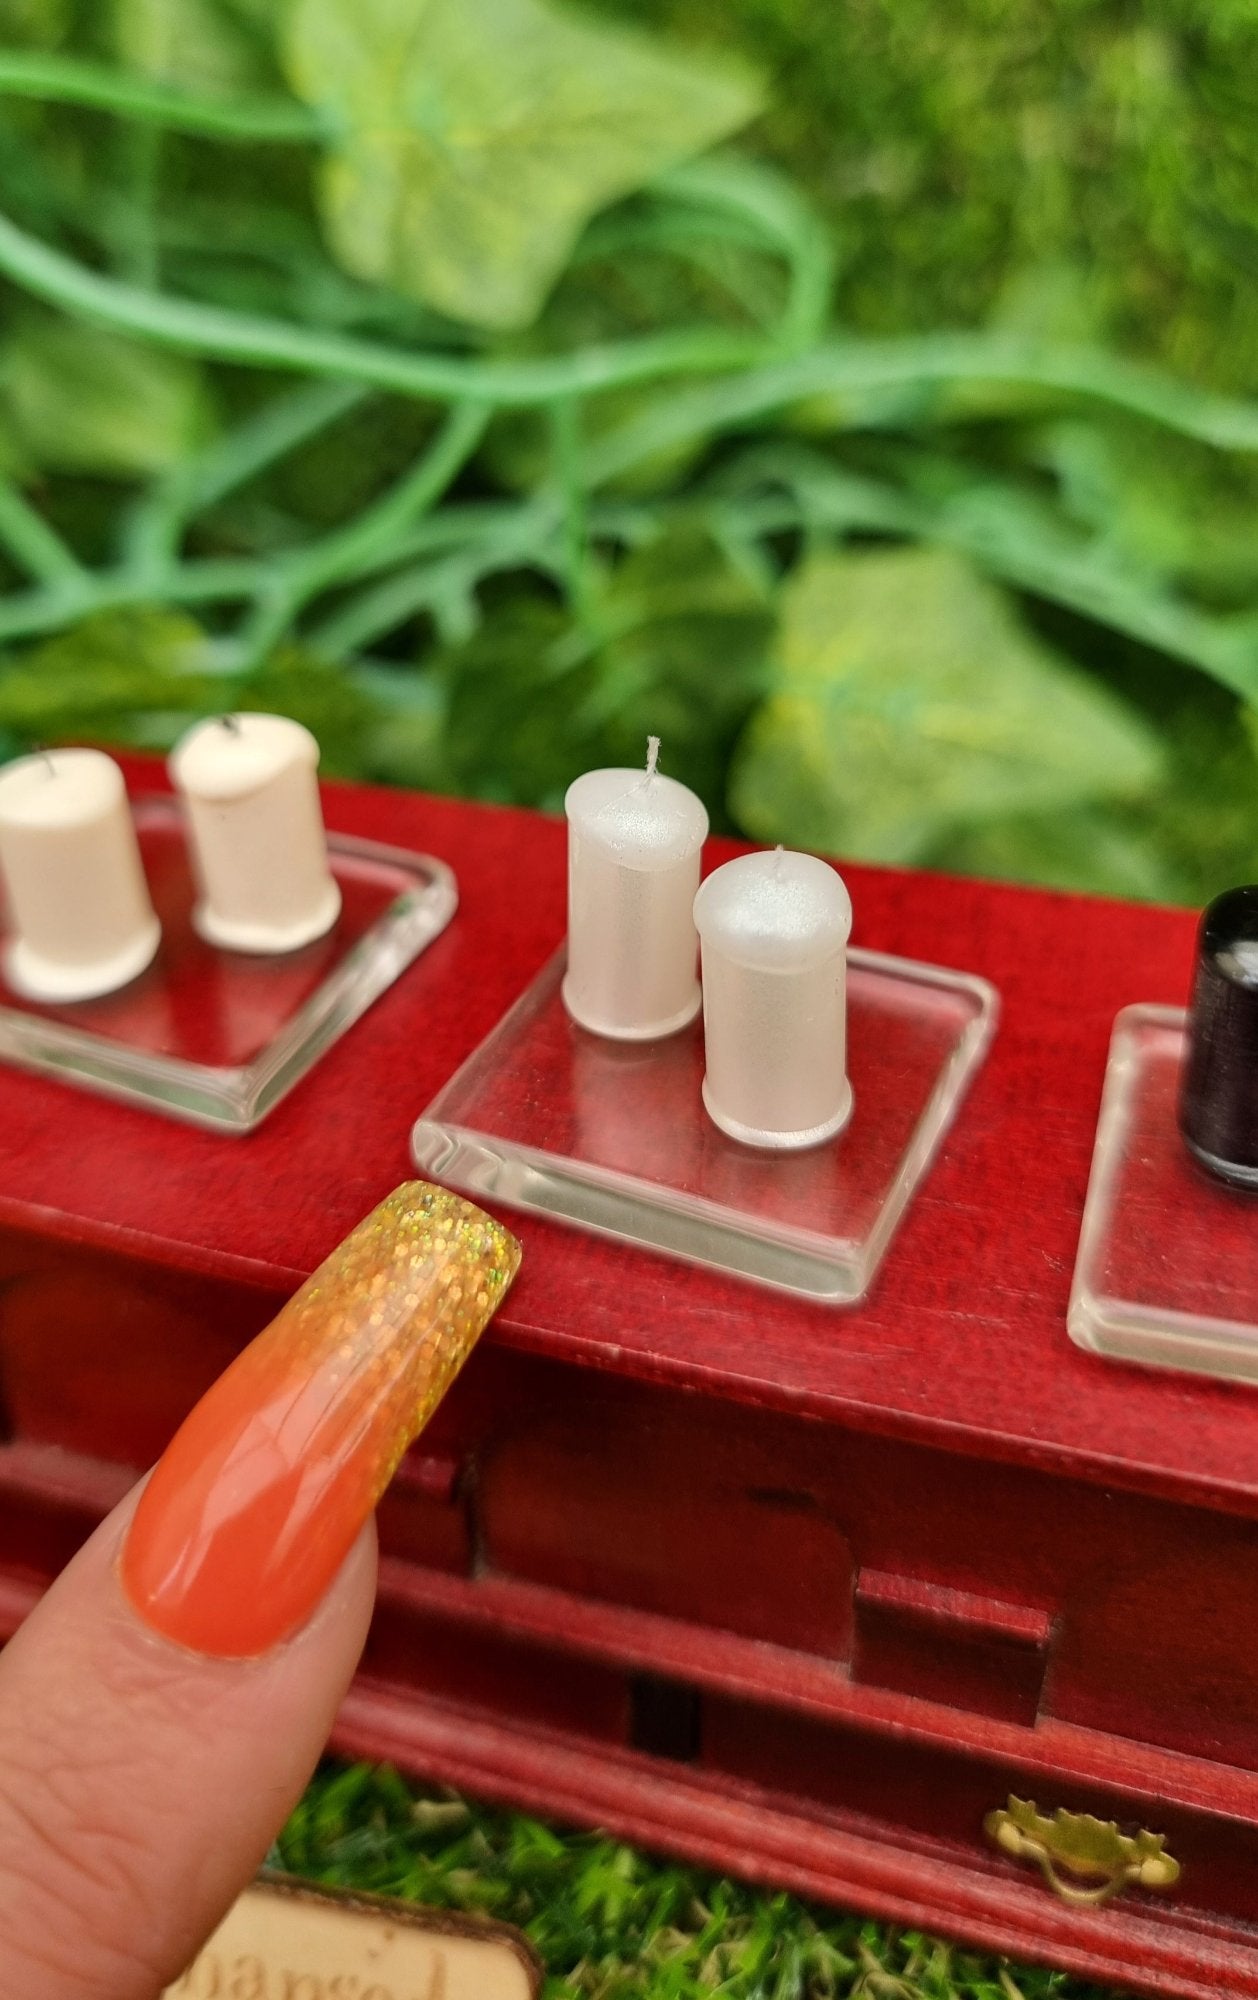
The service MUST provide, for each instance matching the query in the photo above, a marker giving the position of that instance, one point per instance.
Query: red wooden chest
(803, 1592)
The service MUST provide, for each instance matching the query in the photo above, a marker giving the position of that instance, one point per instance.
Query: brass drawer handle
(1071, 1849)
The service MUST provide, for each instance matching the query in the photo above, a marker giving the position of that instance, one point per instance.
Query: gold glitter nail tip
(259, 1497)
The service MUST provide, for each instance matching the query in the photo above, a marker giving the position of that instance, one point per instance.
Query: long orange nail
(258, 1498)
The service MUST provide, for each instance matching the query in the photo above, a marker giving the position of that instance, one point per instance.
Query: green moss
(613, 1924)
(957, 147)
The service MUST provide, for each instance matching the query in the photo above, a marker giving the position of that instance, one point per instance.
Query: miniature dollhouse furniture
(807, 1592)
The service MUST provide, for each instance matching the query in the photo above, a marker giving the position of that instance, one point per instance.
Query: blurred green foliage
(957, 148)
(420, 370)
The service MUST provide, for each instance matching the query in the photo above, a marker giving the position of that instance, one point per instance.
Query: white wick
(652, 755)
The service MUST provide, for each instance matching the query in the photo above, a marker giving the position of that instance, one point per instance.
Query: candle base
(655, 1032)
(217, 1037)
(1166, 1272)
(613, 1136)
(780, 1142)
(37, 978)
(268, 940)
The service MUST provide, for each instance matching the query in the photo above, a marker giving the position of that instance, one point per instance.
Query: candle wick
(778, 852)
(652, 755)
(46, 754)
(231, 724)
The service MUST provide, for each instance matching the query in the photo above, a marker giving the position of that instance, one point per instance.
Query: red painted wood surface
(798, 1590)
(964, 1337)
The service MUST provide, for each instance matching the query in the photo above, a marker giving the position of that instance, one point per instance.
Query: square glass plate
(613, 1137)
(219, 1037)
(1167, 1271)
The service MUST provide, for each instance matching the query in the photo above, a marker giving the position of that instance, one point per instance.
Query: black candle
(1218, 1106)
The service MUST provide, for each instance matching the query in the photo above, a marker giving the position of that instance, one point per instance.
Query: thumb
(164, 1704)
(140, 1786)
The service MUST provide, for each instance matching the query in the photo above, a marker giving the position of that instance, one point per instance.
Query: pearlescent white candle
(250, 790)
(79, 911)
(634, 839)
(773, 930)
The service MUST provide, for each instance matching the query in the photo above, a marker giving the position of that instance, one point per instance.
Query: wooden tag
(290, 1940)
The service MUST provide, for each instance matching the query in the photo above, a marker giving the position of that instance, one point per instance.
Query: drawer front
(927, 1802)
(950, 1645)
(531, 1685)
(910, 1794)
(998, 1589)
(105, 1354)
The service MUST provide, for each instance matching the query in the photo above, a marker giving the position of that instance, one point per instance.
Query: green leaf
(341, 711)
(676, 649)
(33, 24)
(201, 44)
(1056, 301)
(82, 400)
(96, 678)
(261, 15)
(140, 676)
(407, 744)
(909, 701)
(477, 137)
(1092, 848)
(1173, 506)
(1183, 842)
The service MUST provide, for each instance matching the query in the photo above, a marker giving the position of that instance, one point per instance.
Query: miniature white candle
(773, 930)
(633, 868)
(259, 849)
(79, 909)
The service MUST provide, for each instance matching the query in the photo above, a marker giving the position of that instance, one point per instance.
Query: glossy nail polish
(257, 1500)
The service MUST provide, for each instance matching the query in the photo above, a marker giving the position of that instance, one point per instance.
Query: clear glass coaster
(1167, 1271)
(612, 1136)
(219, 1037)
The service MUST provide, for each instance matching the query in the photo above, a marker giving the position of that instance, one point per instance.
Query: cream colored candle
(80, 917)
(773, 931)
(249, 787)
(633, 867)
